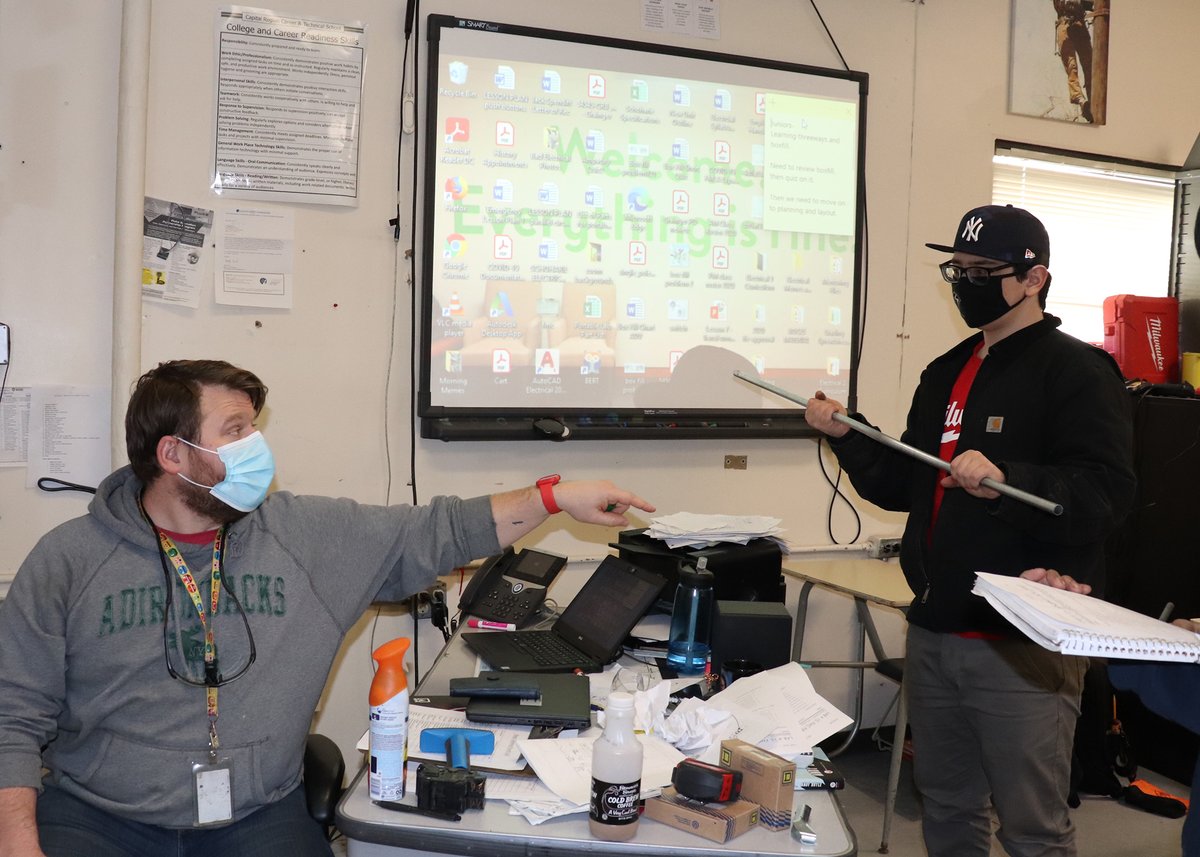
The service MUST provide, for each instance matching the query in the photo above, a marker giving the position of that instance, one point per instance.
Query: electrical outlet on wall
(425, 599)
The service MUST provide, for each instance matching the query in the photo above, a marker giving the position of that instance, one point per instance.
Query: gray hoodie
(84, 687)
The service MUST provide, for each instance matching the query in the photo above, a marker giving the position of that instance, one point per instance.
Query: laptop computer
(590, 631)
(563, 700)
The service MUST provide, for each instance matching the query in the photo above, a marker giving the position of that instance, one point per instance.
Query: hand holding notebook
(1077, 624)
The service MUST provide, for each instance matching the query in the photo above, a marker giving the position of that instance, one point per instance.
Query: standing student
(176, 638)
(992, 714)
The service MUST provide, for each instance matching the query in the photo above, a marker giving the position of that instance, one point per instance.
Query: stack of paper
(687, 529)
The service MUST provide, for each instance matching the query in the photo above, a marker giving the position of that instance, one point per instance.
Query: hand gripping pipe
(920, 455)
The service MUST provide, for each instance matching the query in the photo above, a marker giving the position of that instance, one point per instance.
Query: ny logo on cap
(971, 228)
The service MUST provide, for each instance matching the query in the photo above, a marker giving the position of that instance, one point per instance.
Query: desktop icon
(679, 255)
(458, 72)
(590, 364)
(595, 252)
(455, 246)
(721, 206)
(722, 100)
(502, 247)
(638, 199)
(548, 193)
(593, 306)
(717, 311)
(596, 86)
(722, 152)
(637, 252)
(456, 188)
(501, 361)
(505, 77)
(546, 361)
(453, 362)
(506, 134)
(681, 95)
(501, 306)
(548, 250)
(502, 191)
(680, 201)
(639, 90)
(635, 308)
(458, 129)
(720, 256)
(677, 309)
(680, 148)
(551, 81)
(760, 103)
(551, 137)
(594, 141)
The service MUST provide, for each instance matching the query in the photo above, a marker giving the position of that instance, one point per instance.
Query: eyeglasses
(212, 676)
(976, 275)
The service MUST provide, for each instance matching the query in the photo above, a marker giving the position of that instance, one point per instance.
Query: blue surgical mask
(249, 469)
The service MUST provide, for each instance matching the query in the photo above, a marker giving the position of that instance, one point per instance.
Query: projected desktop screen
(611, 229)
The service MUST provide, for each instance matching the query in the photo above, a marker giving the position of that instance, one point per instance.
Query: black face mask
(980, 305)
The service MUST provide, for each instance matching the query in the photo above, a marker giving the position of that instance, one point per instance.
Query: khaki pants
(993, 724)
(1075, 51)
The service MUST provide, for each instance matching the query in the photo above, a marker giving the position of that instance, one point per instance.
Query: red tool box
(1143, 335)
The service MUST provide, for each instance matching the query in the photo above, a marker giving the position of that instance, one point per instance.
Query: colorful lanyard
(211, 675)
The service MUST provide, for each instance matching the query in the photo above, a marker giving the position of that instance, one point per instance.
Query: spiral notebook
(1076, 624)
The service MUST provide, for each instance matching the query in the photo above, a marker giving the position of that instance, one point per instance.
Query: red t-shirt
(953, 427)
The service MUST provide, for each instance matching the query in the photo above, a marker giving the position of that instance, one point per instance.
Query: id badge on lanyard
(212, 789)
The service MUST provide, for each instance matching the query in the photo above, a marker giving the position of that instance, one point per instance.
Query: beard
(200, 501)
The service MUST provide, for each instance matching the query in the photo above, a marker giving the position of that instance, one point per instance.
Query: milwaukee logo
(1154, 336)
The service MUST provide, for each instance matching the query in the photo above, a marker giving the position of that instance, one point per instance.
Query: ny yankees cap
(1003, 233)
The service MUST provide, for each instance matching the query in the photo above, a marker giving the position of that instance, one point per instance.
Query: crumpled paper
(691, 728)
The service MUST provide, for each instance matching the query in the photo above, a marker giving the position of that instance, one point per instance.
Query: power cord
(439, 613)
(414, 607)
(837, 492)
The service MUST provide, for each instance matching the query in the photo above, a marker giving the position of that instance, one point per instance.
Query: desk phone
(510, 587)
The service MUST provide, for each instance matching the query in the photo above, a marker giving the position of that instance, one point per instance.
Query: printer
(749, 572)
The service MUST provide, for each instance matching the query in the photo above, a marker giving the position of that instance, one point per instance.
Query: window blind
(1109, 225)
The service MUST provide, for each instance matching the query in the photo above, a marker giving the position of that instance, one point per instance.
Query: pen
(492, 626)
(1166, 612)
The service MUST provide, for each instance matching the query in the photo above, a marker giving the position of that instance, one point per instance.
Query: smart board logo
(1154, 335)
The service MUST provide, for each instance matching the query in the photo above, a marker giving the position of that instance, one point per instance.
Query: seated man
(186, 625)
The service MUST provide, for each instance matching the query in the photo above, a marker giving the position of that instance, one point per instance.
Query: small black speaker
(758, 631)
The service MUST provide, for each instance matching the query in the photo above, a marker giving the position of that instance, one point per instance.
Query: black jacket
(1066, 435)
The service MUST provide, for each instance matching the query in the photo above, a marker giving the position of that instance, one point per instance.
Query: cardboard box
(719, 822)
(767, 780)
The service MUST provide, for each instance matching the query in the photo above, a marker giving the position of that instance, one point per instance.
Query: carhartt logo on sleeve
(995, 425)
(971, 228)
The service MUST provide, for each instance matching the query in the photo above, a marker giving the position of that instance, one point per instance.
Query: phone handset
(481, 581)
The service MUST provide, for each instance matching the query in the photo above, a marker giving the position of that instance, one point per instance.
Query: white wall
(339, 416)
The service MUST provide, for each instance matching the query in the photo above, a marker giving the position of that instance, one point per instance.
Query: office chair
(324, 769)
(893, 668)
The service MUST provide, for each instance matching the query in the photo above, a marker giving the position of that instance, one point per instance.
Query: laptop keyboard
(546, 647)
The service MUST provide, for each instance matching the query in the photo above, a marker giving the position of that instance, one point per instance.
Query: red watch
(546, 486)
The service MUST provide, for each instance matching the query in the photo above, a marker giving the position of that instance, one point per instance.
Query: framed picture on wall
(1060, 59)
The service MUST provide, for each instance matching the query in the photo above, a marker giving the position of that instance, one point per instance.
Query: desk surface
(493, 831)
(871, 579)
(375, 832)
